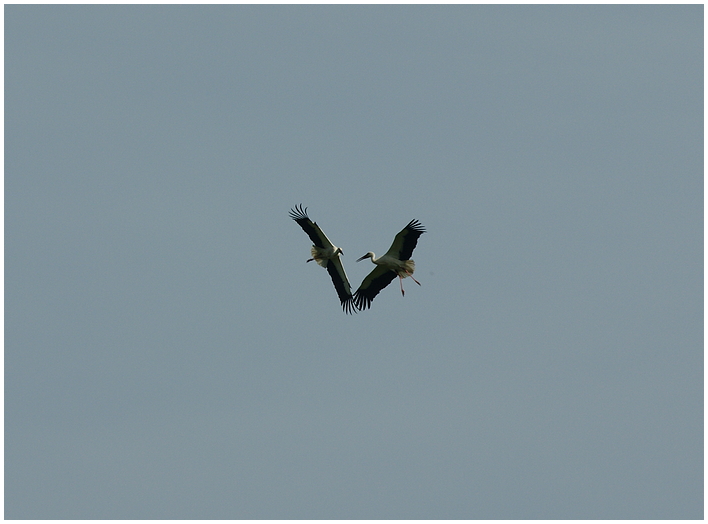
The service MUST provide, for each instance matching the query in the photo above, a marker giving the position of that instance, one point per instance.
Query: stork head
(368, 255)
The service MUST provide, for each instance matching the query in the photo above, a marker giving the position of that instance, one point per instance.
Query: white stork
(396, 262)
(326, 255)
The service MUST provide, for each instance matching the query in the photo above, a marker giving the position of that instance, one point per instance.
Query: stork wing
(405, 241)
(341, 283)
(319, 239)
(374, 282)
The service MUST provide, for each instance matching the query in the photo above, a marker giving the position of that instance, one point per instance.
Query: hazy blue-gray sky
(169, 354)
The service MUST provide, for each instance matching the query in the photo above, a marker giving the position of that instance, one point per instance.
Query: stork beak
(362, 258)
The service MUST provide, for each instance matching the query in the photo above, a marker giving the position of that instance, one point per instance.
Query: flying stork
(326, 255)
(396, 262)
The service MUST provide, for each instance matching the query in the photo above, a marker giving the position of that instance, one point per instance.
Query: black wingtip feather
(348, 306)
(298, 213)
(416, 227)
(361, 302)
(363, 297)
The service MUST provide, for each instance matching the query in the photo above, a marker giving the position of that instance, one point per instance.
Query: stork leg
(400, 280)
(414, 280)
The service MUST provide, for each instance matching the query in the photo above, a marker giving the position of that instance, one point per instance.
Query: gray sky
(169, 354)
